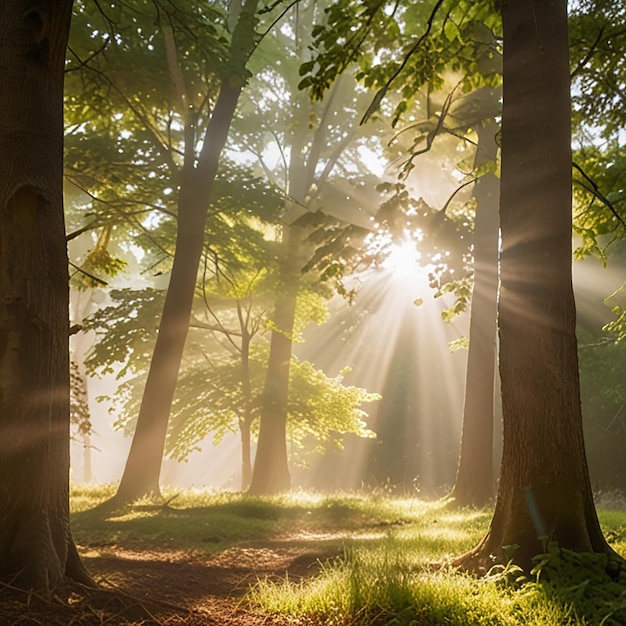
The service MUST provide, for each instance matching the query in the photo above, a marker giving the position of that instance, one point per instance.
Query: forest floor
(194, 558)
(168, 588)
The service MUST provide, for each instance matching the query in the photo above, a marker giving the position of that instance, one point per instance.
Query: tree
(36, 546)
(143, 466)
(459, 45)
(474, 480)
(474, 484)
(315, 246)
(315, 140)
(544, 492)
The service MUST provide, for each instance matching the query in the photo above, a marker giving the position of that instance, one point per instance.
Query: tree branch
(595, 190)
(588, 56)
(378, 98)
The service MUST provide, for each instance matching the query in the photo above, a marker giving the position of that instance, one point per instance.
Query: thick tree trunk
(474, 484)
(36, 547)
(143, 466)
(271, 471)
(544, 491)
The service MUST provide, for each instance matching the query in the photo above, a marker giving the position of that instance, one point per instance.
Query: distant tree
(36, 546)
(544, 491)
(474, 485)
(317, 235)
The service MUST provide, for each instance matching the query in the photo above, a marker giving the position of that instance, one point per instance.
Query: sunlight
(397, 345)
(403, 260)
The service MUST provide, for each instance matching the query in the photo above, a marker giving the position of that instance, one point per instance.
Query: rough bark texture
(474, 484)
(36, 547)
(544, 491)
(143, 466)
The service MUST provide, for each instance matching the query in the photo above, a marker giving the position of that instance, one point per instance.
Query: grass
(386, 549)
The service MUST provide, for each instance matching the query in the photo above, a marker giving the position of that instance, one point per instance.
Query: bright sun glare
(403, 261)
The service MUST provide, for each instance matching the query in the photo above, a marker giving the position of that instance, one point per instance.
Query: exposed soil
(166, 588)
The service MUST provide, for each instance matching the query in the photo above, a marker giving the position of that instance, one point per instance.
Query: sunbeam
(396, 343)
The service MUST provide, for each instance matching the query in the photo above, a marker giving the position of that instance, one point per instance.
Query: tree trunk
(246, 453)
(87, 467)
(245, 421)
(544, 491)
(143, 466)
(36, 547)
(474, 484)
(271, 471)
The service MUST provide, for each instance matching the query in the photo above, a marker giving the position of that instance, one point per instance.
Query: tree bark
(544, 491)
(36, 546)
(143, 466)
(474, 484)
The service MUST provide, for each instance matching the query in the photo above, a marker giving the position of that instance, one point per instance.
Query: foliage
(412, 42)
(126, 327)
(602, 361)
(80, 416)
(392, 580)
(592, 584)
(599, 198)
(618, 325)
(321, 409)
(210, 402)
(597, 39)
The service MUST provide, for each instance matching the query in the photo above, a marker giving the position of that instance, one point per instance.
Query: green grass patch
(388, 569)
(207, 522)
(392, 581)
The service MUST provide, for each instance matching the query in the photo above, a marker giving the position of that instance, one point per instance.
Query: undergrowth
(388, 565)
(385, 584)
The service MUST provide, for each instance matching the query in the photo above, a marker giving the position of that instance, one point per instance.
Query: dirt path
(209, 589)
(167, 588)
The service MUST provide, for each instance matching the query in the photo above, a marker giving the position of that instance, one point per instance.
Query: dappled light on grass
(393, 582)
(345, 559)
(206, 522)
(386, 585)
